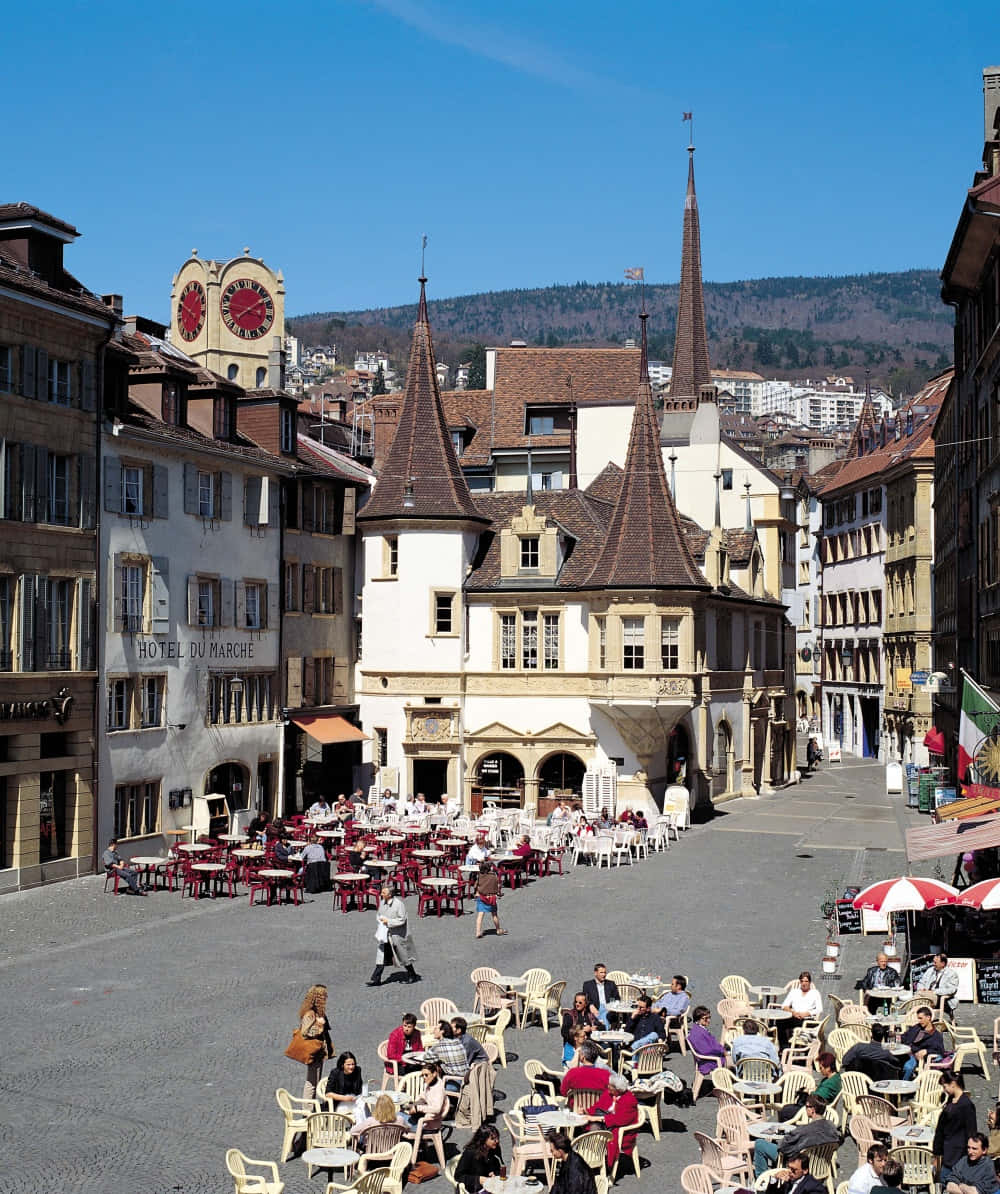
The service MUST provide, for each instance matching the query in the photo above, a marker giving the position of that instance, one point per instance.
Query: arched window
(233, 372)
(561, 773)
(261, 377)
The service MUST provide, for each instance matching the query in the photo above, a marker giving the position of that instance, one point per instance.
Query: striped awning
(952, 837)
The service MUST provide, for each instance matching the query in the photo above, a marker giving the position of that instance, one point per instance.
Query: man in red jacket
(404, 1039)
(588, 1076)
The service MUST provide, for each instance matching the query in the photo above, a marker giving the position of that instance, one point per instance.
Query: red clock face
(247, 309)
(191, 311)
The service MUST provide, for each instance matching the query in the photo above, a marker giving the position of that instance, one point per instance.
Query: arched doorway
(560, 777)
(679, 756)
(231, 780)
(723, 779)
(499, 779)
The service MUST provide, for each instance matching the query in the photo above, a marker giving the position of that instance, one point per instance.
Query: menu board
(988, 980)
(848, 917)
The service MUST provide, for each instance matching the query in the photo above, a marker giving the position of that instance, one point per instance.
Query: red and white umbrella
(985, 895)
(907, 894)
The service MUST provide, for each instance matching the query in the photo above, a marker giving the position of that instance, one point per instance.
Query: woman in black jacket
(480, 1158)
(956, 1123)
(575, 1176)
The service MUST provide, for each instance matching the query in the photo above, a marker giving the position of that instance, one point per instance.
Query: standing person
(480, 1158)
(313, 1026)
(575, 1176)
(956, 1123)
(487, 897)
(392, 939)
(812, 754)
(600, 991)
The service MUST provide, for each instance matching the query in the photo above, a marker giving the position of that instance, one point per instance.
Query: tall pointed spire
(645, 548)
(421, 477)
(691, 369)
(863, 436)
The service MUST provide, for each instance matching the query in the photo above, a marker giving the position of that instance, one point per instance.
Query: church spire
(691, 369)
(421, 477)
(645, 548)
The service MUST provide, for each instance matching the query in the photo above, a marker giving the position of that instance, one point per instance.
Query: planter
(829, 965)
(889, 949)
(833, 949)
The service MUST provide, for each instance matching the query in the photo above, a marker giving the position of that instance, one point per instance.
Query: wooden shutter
(308, 500)
(42, 374)
(113, 484)
(350, 506)
(192, 600)
(115, 596)
(273, 502)
(224, 481)
(88, 492)
(160, 491)
(28, 482)
(273, 612)
(225, 589)
(41, 484)
(308, 588)
(159, 604)
(338, 590)
(340, 678)
(42, 586)
(85, 625)
(309, 681)
(88, 386)
(26, 629)
(293, 681)
(251, 501)
(28, 361)
(190, 488)
(240, 591)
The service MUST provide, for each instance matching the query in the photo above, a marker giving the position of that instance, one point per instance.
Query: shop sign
(160, 651)
(57, 707)
(905, 679)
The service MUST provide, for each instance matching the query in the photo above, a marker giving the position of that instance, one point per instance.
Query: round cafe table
(613, 1037)
(760, 1089)
(771, 1014)
(561, 1119)
(427, 853)
(894, 1088)
(345, 886)
(194, 847)
(146, 864)
(232, 837)
(511, 981)
(390, 838)
(645, 980)
(382, 864)
(440, 881)
(331, 1158)
(510, 1185)
(766, 1130)
(766, 994)
(621, 1007)
(248, 852)
(912, 1134)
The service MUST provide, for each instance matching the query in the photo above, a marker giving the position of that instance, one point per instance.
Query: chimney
(115, 302)
(276, 365)
(991, 115)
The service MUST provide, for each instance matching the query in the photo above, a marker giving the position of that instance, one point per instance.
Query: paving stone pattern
(143, 1037)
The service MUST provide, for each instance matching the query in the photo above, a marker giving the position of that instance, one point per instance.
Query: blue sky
(534, 142)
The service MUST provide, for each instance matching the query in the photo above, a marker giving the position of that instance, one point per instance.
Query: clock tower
(228, 314)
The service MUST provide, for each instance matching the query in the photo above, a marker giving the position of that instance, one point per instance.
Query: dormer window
(529, 553)
(546, 420)
(458, 442)
(287, 430)
(540, 425)
(222, 423)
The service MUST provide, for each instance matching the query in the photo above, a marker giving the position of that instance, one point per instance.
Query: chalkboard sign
(988, 980)
(848, 917)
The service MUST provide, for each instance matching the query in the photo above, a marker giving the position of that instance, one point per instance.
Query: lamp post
(846, 659)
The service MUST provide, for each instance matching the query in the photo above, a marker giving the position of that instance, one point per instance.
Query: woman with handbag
(487, 896)
(313, 1045)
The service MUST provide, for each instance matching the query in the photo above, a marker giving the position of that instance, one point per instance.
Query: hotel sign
(150, 650)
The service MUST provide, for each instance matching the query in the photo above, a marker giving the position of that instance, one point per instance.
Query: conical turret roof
(422, 455)
(691, 368)
(645, 548)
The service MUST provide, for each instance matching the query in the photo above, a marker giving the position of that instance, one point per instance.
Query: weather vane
(423, 249)
(689, 117)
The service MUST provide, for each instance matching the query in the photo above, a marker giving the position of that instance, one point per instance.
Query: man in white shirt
(419, 806)
(940, 977)
(320, 808)
(478, 851)
(869, 1174)
(804, 1001)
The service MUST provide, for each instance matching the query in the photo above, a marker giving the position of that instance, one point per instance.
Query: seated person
(600, 991)
(432, 1105)
(343, 810)
(478, 852)
(711, 1052)
(404, 1039)
(523, 849)
(639, 820)
(588, 1075)
(676, 1001)
(880, 976)
(315, 866)
(257, 829)
(803, 1000)
(872, 1057)
(578, 1016)
(419, 807)
(388, 801)
(480, 1158)
(974, 1173)
(574, 1175)
(358, 855)
(450, 1054)
(604, 820)
(617, 1108)
(113, 861)
(869, 1174)
(626, 817)
(474, 1051)
(892, 1177)
(559, 815)
(283, 850)
(924, 1041)
(646, 1026)
(344, 1085)
(753, 1043)
(384, 1112)
(816, 1130)
(320, 807)
(940, 977)
(828, 1086)
(795, 1178)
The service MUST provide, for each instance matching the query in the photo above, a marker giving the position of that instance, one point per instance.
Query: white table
(248, 853)
(510, 1185)
(440, 881)
(621, 1006)
(276, 873)
(213, 868)
(193, 847)
(427, 853)
(890, 1088)
(561, 1119)
(765, 993)
(761, 1089)
(613, 1037)
(767, 1130)
(232, 837)
(771, 1014)
(645, 980)
(331, 1158)
(511, 981)
(146, 861)
(909, 1134)
(888, 993)
(383, 864)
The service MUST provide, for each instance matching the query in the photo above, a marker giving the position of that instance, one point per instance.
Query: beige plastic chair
(546, 1002)
(495, 1036)
(720, 1078)
(735, 986)
(392, 1074)
(432, 1010)
(633, 1127)
(412, 1085)
(539, 1076)
(968, 1044)
(328, 1129)
(526, 1144)
(697, 1179)
(492, 998)
(837, 1004)
(593, 1147)
(734, 1137)
(852, 1013)
(791, 1082)
(733, 1013)
(853, 1084)
(862, 1033)
(581, 1101)
(381, 1143)
(644, 1062)
(929, 1098)
(823, 1163)
(429, 1128)
(756, 1069)
(729, 1169)
(401, 1157)
(881, 1112)
(862, 1132)
(619, 977)
(252, 1183)
(918, 1166)
(372, 1181)
(296, 1112)
(839, 1041)
(629, 992)
(801, 1053)
(482, 974)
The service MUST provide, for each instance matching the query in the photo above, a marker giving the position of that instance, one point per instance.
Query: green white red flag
(979, 718)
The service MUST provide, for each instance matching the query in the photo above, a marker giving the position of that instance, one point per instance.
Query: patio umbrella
(984, 895)
(906, 894)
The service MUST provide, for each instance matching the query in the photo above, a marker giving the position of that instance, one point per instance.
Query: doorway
(430, 776)
(231, 780)
(265, 786)
(869, 727)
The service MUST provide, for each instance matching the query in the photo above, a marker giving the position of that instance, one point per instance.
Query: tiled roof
(471, 411)
(918, 445)
(318, 456)
(239, 447)
(607, 485)
(583, 517)
(586, 376)
(11, 212)
(737, 541)
(67, 292)
(421, 455)
(691, 369)
(644, 547)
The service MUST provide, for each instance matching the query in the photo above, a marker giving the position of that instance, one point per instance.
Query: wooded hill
(894, 323)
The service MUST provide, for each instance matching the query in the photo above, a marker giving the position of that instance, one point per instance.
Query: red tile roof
(586, 376)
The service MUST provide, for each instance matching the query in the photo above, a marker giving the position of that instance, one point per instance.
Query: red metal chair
(430, 897)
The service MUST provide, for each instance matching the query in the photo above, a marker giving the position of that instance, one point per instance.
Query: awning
(952, 837)
(934, 741)
(330, 728)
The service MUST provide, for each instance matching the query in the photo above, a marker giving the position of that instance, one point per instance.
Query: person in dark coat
(872, 1058)
(575, 1176)
(480, 1158)
(795, 1178)
(924, 1041)
(956, 1123)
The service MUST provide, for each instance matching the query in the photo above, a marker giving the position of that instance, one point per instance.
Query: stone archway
(499, 775)
(560, 773)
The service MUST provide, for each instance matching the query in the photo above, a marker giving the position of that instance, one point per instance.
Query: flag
(687, 116)
(635, 274)
(979, 716)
